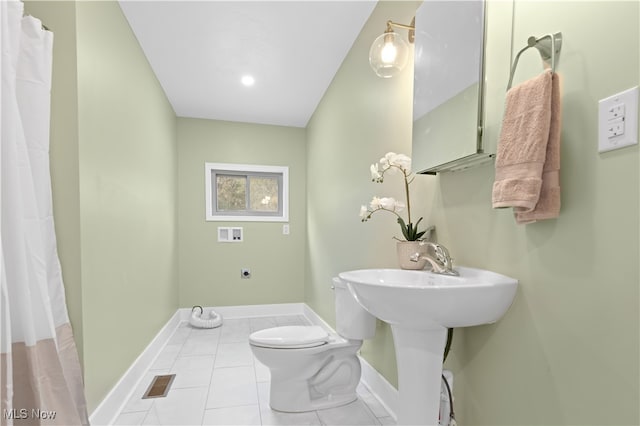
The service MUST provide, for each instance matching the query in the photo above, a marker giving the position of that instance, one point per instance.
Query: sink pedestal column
(419, 356)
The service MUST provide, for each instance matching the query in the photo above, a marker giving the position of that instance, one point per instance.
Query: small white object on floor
(210, 320)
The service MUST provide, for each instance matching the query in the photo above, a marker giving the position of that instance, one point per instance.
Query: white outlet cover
(223, 234)
(230, 235)
(630, 136)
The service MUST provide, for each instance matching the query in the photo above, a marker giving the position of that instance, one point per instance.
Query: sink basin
(421, 299)
(420, 306)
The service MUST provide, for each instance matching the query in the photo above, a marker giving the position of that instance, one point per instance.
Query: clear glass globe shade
(388, 54)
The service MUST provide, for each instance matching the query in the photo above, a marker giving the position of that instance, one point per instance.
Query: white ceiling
(199, 50)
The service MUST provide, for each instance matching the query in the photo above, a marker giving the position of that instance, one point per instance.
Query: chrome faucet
(440, 263)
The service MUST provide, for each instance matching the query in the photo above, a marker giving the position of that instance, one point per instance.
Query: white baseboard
(380, 388)
(110, 407)
(246, 311)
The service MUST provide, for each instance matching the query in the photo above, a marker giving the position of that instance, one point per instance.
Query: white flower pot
(405, 249)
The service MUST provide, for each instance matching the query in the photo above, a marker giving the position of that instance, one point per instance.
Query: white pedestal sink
(420, 306)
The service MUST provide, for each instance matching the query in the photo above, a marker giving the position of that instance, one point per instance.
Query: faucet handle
(441, 262)
(441, 253)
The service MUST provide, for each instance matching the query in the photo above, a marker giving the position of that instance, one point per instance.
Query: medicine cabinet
(448, 86)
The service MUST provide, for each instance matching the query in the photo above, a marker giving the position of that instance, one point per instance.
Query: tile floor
(219, 382)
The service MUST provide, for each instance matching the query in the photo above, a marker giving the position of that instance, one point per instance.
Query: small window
(243, 192)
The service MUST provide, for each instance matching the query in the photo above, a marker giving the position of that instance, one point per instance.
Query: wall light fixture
(389, 52)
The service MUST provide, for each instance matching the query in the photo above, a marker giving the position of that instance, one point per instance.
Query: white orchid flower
(375, 172)
(388, 203)
(402, 161)
(376, 203)
(364, 212)
(389, 156)
(387, 160)
(391, 163)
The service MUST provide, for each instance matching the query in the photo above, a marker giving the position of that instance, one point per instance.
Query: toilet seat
(290, 337)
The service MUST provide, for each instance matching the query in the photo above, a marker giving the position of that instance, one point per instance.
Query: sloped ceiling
(200, 50)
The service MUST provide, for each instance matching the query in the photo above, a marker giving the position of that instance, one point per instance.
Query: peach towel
(548, 206)
(528, 155)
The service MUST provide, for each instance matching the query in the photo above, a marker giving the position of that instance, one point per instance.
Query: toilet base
(302, 405)
(334, 385)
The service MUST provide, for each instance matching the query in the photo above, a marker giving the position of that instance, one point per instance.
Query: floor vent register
(159, 387)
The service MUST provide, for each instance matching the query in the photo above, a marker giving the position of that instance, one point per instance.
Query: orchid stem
(406, 187)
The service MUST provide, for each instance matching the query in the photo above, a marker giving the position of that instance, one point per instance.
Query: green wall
(209, 270)
(567, 351)
(114, 173)
(128, 166)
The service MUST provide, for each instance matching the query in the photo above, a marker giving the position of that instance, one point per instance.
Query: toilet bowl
(312, 368)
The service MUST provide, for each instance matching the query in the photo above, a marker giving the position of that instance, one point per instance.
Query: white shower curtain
(40, 375)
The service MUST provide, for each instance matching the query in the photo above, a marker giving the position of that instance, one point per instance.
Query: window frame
(213, 169)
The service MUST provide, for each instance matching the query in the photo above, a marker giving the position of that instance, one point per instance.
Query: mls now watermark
(28, 413)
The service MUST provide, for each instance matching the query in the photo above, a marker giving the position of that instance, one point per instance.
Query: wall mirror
(448, 90)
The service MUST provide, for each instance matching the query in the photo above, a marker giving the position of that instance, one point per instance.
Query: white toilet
(310, 368)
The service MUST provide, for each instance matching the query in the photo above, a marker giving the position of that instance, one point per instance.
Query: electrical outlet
(616, 111)
(615, 127)
(618, 120)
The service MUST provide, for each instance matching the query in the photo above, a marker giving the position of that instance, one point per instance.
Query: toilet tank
(352, 320)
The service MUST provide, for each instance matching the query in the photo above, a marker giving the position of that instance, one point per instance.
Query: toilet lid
(290, 337)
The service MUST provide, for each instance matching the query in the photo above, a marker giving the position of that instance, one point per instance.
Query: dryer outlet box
(229, 235)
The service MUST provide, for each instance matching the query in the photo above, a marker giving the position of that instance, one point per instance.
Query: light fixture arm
(411, 28)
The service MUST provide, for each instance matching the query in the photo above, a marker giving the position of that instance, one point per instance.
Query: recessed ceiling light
(248, 80)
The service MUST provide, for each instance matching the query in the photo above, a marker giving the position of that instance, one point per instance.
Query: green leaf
(411, 232)
(414, 235)
(403, 226)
